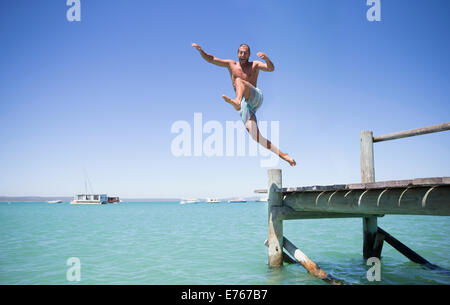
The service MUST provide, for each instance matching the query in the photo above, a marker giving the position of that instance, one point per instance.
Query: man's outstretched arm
(268, 66)
(211, 59)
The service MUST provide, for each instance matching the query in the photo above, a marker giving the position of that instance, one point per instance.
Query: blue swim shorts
(250, 106)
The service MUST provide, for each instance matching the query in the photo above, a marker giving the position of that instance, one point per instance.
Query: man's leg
(253, 130)
(243, 89)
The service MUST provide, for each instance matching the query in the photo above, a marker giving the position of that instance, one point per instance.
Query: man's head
(243, 53)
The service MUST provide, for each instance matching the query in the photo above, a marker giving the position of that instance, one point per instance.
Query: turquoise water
(169, 243)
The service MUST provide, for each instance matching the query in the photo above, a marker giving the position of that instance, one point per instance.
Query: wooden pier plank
(434, 181)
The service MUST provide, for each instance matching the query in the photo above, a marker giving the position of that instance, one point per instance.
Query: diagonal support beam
(308, 264)
(403, 249)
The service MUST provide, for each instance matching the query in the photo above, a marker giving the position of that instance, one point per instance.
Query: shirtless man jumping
(244, 76)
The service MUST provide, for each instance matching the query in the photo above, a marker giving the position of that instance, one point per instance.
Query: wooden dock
(428, 196)
(367, 200)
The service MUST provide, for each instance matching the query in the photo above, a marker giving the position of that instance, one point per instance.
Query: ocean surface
(220, 243)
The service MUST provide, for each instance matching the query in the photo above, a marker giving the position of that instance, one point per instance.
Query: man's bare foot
(288, 159)
(235, 104)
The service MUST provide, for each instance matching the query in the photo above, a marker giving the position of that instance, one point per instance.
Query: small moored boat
(189, 200)
(94, 199)
(212, 200)
(54, 201)
(237, 200)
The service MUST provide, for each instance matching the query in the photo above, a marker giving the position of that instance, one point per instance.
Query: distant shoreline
(67, 199)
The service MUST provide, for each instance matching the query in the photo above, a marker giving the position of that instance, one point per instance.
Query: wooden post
(367, 159)
(275, 238)
(370, 226)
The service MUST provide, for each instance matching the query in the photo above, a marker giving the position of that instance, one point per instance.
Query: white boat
(94, 199)
(262, 199)
(189, 200)
(54, 201)
(212, 200)
(237, 200)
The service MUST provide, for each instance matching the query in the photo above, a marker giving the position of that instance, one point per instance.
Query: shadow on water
(436, 268)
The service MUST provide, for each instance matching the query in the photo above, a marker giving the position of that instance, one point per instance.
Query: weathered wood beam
(412, 132)
(287, 213)
(308, 264)
(398, 201)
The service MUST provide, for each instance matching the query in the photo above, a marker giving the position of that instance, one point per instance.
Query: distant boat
(262, 199)
(94, 199)
(114, 200)
(212, 200)
(54, 201)
(189, 200)
(237, 200)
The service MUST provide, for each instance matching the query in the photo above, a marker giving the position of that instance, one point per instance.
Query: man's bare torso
(248, 72)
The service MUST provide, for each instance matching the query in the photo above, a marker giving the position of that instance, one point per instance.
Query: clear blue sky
(103, 93)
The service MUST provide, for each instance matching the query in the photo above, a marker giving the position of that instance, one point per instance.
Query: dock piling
(368, 176)
(275, 239)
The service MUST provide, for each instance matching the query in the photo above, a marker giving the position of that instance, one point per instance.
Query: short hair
(244, 45)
